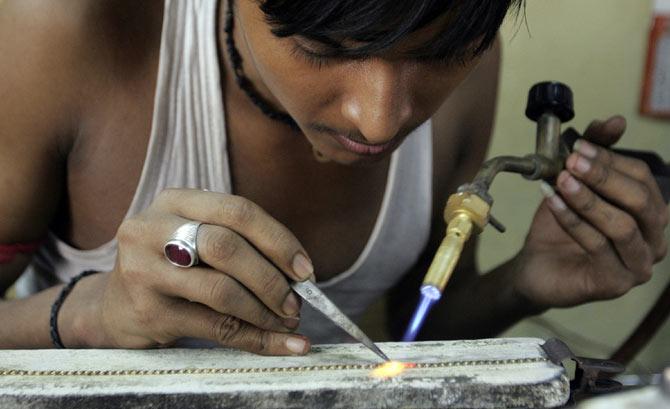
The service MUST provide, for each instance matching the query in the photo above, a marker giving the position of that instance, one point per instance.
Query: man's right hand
(238, 296)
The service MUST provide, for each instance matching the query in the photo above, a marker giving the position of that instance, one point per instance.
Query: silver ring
(181, 249)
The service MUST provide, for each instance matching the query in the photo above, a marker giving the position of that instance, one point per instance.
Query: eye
(444, 62)
(313, 58)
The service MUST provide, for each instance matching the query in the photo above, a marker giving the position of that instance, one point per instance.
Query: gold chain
(222, 371)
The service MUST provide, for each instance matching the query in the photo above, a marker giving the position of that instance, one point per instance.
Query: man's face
(350, 110)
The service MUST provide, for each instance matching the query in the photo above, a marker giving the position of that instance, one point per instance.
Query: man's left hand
(602, 231)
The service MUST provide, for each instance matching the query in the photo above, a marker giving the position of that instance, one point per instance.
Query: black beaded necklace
(243, 82)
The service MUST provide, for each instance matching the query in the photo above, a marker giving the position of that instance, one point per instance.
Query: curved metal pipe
(526, 166)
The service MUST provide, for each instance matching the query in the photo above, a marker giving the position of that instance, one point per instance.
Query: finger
(617, 226)
(627, 182)
(606, 133)
(221, 293)
(632, 167)
(227, 251)
(196, 320)
(273, 239)
(618, 279)
(590, 239)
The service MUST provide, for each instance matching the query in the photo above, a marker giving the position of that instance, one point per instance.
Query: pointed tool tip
(380, 354)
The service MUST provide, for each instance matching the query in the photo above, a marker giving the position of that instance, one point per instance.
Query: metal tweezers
(317, 299)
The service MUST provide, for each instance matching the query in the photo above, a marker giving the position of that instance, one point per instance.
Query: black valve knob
(552, 97)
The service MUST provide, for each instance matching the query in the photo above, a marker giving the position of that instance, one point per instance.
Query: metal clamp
(592, 376)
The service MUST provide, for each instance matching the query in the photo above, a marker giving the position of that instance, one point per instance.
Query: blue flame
(429, 296)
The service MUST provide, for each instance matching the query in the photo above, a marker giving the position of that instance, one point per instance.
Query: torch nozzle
(449, 252)
(465, 211)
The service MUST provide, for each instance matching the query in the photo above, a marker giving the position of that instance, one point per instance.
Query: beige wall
(598, 48)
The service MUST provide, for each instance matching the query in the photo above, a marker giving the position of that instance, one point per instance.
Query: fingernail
(291, 306)
(581, 165)
(291, 323)
(296, 345)
(619, 123)
(552, 198)
(302, 266)
(586, 148)
(570, 184)
(547, 190)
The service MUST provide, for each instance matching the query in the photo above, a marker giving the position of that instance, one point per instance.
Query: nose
(378, 102)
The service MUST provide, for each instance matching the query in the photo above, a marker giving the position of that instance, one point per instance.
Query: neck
(278, 133)
(247, 85)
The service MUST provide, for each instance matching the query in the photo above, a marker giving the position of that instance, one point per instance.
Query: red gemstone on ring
(178, 255)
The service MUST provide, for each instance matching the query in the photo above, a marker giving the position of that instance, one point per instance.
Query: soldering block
(512, 372)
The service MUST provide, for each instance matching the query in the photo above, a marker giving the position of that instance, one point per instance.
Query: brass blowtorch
(468, 210)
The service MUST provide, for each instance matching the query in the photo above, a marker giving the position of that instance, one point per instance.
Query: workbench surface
(463, 374)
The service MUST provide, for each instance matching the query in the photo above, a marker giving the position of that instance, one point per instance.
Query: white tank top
(187, 148)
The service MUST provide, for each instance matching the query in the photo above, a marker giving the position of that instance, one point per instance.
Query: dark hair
(379, 24)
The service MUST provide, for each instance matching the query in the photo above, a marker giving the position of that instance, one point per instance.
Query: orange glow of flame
(390, 369)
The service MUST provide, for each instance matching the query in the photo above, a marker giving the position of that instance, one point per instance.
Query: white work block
(460, 374)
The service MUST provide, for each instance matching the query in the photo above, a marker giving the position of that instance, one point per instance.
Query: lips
(365, 149)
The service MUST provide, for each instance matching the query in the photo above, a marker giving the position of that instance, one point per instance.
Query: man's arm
(472, 306)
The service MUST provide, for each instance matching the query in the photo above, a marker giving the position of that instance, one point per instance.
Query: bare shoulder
(463, 125)
(40, 46)
(56, 57)
(36, 43)
(56, 53)
(58, 60)
(462, 131)
(39, 40)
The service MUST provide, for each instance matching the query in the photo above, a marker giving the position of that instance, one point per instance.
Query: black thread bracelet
(55, 308)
